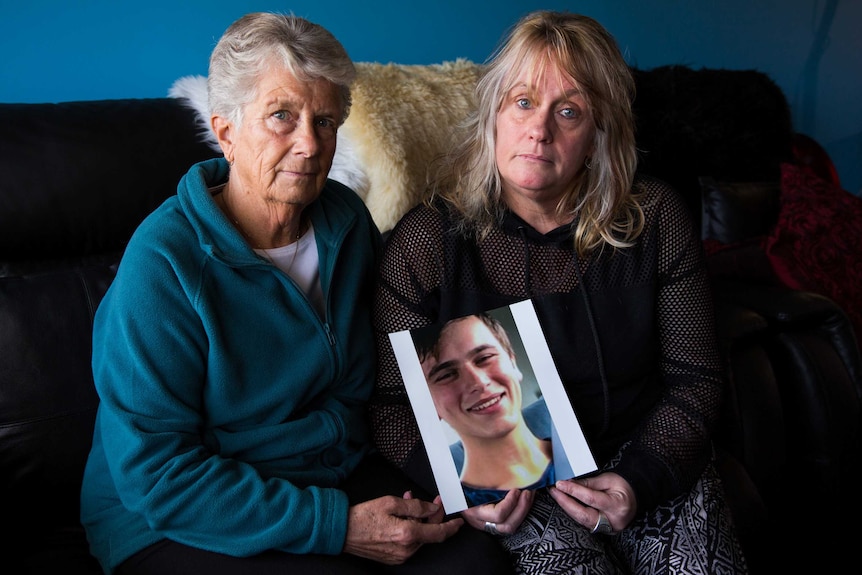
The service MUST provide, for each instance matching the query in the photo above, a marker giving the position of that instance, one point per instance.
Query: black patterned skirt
(693, 534)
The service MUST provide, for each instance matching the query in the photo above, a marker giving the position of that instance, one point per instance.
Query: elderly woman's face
(544, 134)
(285, 144)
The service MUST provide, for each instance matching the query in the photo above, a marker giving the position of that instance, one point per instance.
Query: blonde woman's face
(545, 131)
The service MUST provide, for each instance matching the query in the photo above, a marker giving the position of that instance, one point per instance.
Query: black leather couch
(76, 178)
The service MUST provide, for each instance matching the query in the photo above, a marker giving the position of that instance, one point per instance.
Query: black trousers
(468, 552)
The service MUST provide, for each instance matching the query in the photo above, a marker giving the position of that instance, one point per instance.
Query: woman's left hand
(586, 499)
(502, 517)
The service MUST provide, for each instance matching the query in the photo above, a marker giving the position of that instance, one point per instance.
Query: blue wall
(58, 50)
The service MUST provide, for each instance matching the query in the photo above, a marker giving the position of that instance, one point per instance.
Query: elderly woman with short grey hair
(233, 353)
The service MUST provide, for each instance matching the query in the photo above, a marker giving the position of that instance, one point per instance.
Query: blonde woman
(539, 199)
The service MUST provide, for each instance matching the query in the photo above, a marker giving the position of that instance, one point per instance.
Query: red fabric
(711, 246)
(817, 243)
(810, 155)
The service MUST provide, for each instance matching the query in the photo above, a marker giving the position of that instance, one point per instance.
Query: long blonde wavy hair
(581, 49)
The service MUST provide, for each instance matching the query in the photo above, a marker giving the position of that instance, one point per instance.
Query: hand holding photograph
(490, 406)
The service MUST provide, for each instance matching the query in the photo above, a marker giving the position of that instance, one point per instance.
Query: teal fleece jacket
(230, 411)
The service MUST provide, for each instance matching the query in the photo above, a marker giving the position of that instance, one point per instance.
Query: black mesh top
(631, 332)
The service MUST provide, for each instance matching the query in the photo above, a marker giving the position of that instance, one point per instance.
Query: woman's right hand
(586, 499)
(506, 514)
(391, 529)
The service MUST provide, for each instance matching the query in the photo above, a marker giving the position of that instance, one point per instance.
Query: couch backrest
(77, 178)
(47, 398)
(727, 125)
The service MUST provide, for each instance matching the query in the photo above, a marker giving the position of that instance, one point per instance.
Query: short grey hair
(307, 50)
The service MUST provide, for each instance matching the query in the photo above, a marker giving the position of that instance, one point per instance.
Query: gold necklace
(229, 213)
(263, 251)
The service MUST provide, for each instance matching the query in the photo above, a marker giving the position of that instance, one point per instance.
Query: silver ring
(603, 526)
(492, 528)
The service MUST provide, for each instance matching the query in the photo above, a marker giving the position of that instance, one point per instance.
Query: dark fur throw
(727, 125)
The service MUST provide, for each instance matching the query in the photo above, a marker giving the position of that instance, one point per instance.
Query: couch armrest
(795, 310)
(47, 401)
(815, 358)
(751, 427)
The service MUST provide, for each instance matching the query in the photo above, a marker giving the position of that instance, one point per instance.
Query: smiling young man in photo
(475, 384)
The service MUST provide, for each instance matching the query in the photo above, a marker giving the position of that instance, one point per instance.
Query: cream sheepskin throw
(400, 120)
